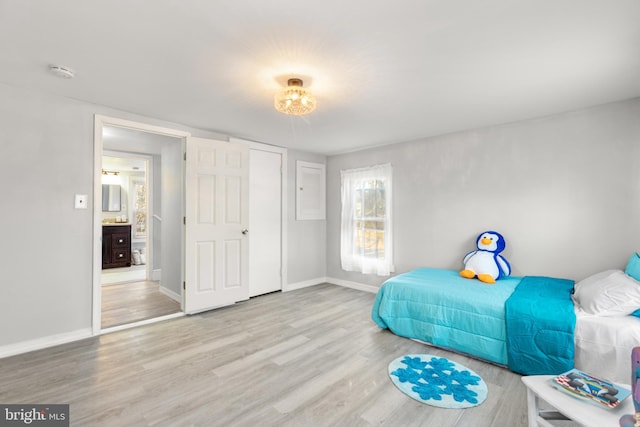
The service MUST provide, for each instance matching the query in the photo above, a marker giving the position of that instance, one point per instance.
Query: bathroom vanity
(116, 245)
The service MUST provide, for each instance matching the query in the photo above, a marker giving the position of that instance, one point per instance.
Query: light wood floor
(130, 302)
(311, 357)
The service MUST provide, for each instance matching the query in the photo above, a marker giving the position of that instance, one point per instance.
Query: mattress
(603, 345)
(473, 325)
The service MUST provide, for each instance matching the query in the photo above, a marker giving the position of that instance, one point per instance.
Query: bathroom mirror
(111, 198)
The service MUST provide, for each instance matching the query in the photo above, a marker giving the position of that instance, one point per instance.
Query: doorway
(131, 289)
(168, 217)
(147, 285)
(132, 174)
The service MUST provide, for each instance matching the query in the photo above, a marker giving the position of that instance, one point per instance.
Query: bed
(545, 331)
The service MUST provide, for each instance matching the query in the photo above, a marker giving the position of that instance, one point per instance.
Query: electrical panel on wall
(310, 190)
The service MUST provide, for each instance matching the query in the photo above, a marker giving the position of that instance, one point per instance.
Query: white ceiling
(124, 164)
(383, 71)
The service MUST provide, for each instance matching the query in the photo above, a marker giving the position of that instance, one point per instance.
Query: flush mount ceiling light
(64, 72)
(294, 99)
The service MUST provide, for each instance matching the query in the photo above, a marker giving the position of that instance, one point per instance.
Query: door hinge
(184, 220)
(184, 285)
(185, 157)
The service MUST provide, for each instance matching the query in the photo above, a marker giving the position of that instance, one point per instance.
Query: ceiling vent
(64, 72)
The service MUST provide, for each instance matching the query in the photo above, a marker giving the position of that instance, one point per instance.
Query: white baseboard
(168, 292)
(333, 281)
(353, 285)
(304, 284)
(45, 342)
(155, 275)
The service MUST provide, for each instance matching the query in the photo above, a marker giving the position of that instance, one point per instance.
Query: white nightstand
(568, 407)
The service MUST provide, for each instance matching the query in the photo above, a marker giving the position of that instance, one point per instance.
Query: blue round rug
(437, 381)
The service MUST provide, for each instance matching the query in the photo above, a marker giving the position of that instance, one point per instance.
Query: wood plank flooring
(310, 357)
(134, 273)
(130, 302)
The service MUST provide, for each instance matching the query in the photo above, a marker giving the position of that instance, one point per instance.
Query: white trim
(45, 342)
(99, 122)
(285, 217)
(304, 284)
(353, 285)
(254, 145)
(141, 323)
(338, 282)
(148, 183)
(168, 292)
(128, 124)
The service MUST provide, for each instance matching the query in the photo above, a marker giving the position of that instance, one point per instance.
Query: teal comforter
(443, 309)
(540, 325)
(446, 310)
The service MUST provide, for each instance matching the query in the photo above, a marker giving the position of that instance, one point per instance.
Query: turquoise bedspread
(540, 325)
(523, 323)
(418, 305)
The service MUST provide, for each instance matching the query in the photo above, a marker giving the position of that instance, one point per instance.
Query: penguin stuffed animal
(485, 263)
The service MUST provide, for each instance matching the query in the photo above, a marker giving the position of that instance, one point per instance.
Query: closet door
(265, 203)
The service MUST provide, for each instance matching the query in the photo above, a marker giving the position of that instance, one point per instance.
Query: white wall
(172, 218)
(156, 262)
(564, 190)
(46, 157)
(307, 246)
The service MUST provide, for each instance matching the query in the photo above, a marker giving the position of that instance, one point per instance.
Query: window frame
(354, 239)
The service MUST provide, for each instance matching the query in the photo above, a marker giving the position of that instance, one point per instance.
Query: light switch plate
(81, 201)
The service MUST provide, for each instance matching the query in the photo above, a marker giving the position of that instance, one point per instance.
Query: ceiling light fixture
(110, 177)
(294, 99)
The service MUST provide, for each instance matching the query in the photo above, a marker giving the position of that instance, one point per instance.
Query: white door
(265, 203)
(217, 217)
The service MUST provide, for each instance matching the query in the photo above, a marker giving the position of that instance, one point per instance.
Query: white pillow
(608, 293)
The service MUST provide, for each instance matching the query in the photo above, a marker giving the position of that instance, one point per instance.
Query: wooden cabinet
(116, 246)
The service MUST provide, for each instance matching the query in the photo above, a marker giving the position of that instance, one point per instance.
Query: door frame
(100, 122)
(284, 178)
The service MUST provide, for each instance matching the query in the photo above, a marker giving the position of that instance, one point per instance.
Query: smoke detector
(64, 72)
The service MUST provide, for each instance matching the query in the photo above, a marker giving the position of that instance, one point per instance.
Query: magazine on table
(591, 389)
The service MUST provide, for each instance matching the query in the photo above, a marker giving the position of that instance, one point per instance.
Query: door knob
(245, 231)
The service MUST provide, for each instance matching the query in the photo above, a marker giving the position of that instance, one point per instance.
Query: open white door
(217, 214)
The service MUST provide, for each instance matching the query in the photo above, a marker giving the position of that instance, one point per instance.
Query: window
(366, 242)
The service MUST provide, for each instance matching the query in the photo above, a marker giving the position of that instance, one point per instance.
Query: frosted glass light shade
(294, 99)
